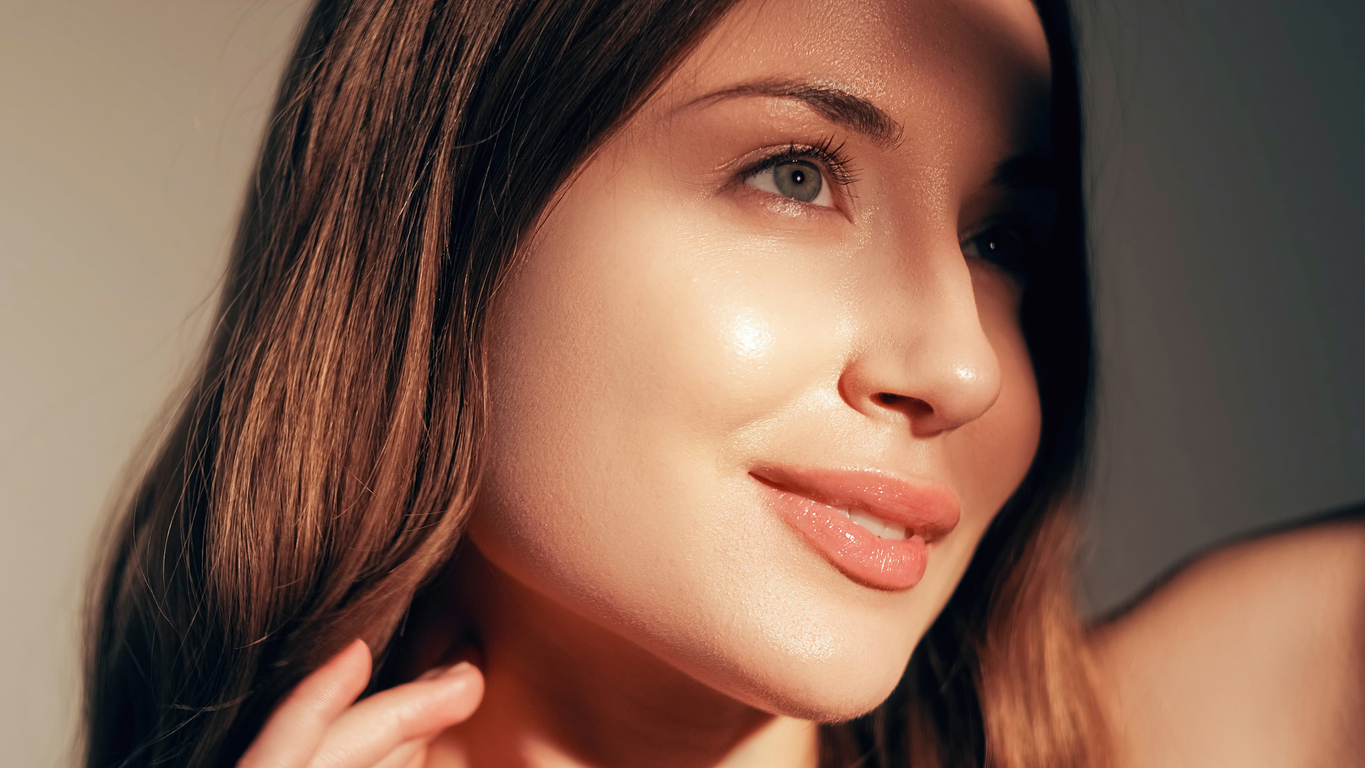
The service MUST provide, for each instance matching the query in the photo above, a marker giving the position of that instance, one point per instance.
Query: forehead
(935, 66)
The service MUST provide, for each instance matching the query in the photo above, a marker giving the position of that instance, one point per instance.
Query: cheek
(624, 373)
(988, 457)
(991, 455)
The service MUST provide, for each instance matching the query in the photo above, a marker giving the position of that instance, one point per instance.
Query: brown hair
(321, 466)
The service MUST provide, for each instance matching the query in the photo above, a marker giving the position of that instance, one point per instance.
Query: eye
(1003, 246)
(800, 180)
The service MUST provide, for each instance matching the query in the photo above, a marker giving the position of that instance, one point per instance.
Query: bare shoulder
(1254, 654)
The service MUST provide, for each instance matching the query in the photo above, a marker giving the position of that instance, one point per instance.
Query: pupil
(1007, 250)
(798, 180)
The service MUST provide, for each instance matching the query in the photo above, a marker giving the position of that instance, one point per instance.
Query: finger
(418, 711)
(292, 734)
(409, 754)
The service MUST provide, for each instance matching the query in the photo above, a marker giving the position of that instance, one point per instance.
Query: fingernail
(454, 670)
(458, 670)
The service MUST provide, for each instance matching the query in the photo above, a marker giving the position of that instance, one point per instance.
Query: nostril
(910, 406)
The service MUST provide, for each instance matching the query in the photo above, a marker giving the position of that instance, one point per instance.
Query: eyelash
(828, 155)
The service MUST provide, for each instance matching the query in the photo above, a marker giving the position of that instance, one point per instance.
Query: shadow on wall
(1229, 232)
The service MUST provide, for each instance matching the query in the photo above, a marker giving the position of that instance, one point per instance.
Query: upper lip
(928, 510)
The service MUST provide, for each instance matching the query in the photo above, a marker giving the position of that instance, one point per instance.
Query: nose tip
(939, 375)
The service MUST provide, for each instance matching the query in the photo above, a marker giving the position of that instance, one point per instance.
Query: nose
(924, 356)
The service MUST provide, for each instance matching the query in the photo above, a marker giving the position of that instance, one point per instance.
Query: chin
(819, 666)
(825, 693)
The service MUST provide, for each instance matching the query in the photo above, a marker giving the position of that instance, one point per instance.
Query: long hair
(319, 470)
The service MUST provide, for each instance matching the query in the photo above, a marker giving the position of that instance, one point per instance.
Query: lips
(874, 528)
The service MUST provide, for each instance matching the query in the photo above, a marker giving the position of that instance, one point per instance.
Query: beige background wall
(126, 131)
(1228, 212)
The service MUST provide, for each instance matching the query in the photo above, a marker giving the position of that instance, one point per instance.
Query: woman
(674, 384)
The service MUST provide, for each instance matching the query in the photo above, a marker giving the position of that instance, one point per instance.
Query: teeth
(880, 528)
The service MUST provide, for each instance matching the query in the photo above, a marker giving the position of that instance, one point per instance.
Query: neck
(562, 691)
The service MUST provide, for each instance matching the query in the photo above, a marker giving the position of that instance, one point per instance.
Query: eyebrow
(835, 104)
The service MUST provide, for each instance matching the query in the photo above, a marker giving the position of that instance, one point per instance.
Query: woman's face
(759, 386)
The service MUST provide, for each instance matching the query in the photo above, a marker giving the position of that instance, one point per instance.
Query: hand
(319, 726)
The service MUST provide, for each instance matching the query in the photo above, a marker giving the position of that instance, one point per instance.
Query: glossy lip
(811, 501)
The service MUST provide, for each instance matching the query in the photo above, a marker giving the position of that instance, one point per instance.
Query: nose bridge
(925, 355)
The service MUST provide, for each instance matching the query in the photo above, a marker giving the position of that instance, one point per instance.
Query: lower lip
(887, 564)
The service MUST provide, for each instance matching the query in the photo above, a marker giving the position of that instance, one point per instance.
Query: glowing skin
(678, 323)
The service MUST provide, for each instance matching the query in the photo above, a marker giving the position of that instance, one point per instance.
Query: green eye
(798, 180)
